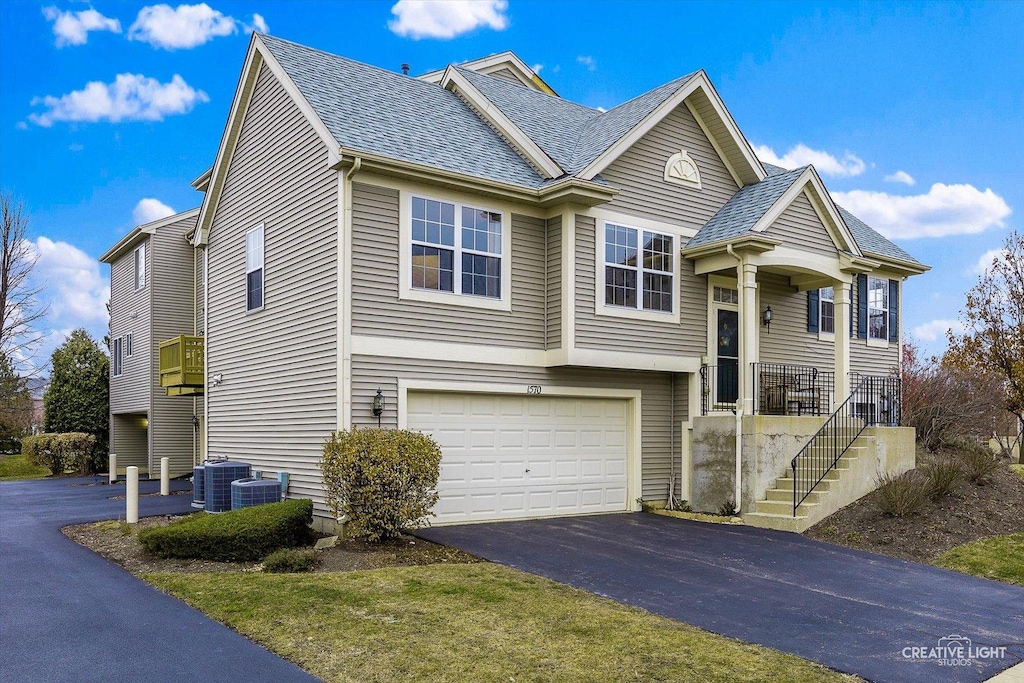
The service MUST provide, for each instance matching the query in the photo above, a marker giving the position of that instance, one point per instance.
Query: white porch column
(750, 319)
(842, 340)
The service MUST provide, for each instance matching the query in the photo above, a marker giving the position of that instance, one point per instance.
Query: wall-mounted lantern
(378, 405)
(766, 319)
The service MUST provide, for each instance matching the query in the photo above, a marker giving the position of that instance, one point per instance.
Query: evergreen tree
(78, 399)
(15, 407)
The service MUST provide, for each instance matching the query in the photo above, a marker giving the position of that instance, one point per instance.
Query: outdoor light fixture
(216, 380)
(378, 405)
(766, 319)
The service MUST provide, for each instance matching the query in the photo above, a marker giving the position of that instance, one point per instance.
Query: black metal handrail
(719, 388)
(781, 389)
(874, 401)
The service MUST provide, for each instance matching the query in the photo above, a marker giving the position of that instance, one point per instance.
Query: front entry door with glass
(728, 356)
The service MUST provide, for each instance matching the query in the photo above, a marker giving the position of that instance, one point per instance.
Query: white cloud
(901, 177)
(825, 163)
(936, 329)
(259, 25)
(182, 27)
(72, 28)
(74, 289)
(587, 61)
(131, 97)
(149, 210)
(985, 260)
(944, 210)
(536, 68)
(443, 19)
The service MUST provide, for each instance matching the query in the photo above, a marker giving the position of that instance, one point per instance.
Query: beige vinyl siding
(170, 423)
(798, 226)
(278, 399)
(378, 311)
(129, 440)
(554, 283)
(639, 174)
(788, 341)
(680, 414)
(369, 373)
(130, 312)
(637, 336)
(507, 74)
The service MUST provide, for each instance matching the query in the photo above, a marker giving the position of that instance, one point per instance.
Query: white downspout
(345, 299)
(740, 398)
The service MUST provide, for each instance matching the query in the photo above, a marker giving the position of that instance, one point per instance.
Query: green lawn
(14, 468)
(1000, 558)
(469, 622)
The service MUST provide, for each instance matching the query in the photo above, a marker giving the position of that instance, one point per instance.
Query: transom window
(878, 308)
(725, 295)
(140, 266)
(456, 248)
(827, 319)
(254, 268)
(638, 269)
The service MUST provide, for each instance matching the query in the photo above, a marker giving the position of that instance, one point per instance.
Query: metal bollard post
(132, 494)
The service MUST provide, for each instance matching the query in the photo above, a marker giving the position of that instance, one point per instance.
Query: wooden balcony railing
(181, 362)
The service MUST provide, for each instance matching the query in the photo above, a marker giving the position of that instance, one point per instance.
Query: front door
(728, 352)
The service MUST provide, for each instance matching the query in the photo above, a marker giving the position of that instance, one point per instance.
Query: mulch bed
(971, 513)
(110, 540)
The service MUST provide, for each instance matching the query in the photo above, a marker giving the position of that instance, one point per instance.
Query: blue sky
(912, 113)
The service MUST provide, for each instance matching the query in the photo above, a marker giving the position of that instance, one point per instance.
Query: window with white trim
(725, 295)
(254, 269)
(116, 357)
(128, 339)
(140, 267)
(638, 269)
(827, 304)
(878, 308)
(455, 248)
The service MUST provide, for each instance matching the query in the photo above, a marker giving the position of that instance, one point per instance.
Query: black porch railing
(719, 387)
(874, 401)
(781, 389)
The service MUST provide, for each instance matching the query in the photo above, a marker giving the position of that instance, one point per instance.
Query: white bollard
(132, 494)
(165, 476)
(113, 467)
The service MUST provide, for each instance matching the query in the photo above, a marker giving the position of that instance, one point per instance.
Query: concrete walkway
(67, 614)
(852, 611)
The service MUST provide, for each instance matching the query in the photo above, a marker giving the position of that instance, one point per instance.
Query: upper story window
(878, 308)
(254, 269)
(456, 248)
(128, 339)
(827, 317)
(638, 269)
(140, 266)
(116, 356)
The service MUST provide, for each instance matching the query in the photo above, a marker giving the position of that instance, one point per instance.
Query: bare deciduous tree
(20, 308)
(993, 343)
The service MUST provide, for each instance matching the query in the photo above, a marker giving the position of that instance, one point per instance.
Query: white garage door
(513, 456)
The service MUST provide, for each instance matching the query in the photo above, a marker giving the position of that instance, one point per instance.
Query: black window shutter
(853, 303)
(862, 306)
(812, 310)
(894, 310)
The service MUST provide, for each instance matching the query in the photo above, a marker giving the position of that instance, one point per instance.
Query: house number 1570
(533, 389)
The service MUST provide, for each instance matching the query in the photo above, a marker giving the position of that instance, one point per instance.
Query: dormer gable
(506, 65)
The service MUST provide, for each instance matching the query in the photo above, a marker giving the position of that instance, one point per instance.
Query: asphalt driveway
(852, 611)
(66, 614)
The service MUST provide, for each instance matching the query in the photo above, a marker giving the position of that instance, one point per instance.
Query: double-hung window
(140, 267)
(827, 318)
(638, 269)
(116, 357)
(456, 248)
(128, 339)
(878, 308)
(254, 269)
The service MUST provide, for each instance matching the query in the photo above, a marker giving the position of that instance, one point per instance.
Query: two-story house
(584, 308)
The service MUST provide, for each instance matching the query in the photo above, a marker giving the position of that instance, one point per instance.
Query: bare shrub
(943, 477)
(978, 461)
(902, 495)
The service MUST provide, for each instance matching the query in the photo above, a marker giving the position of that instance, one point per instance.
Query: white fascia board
(527, 147)
(257, 56)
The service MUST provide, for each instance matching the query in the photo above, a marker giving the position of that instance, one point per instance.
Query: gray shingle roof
(744, 209)
(870, 241)
(380, 112)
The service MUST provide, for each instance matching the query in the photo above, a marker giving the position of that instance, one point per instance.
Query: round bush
(384, 480)
(290, 561)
